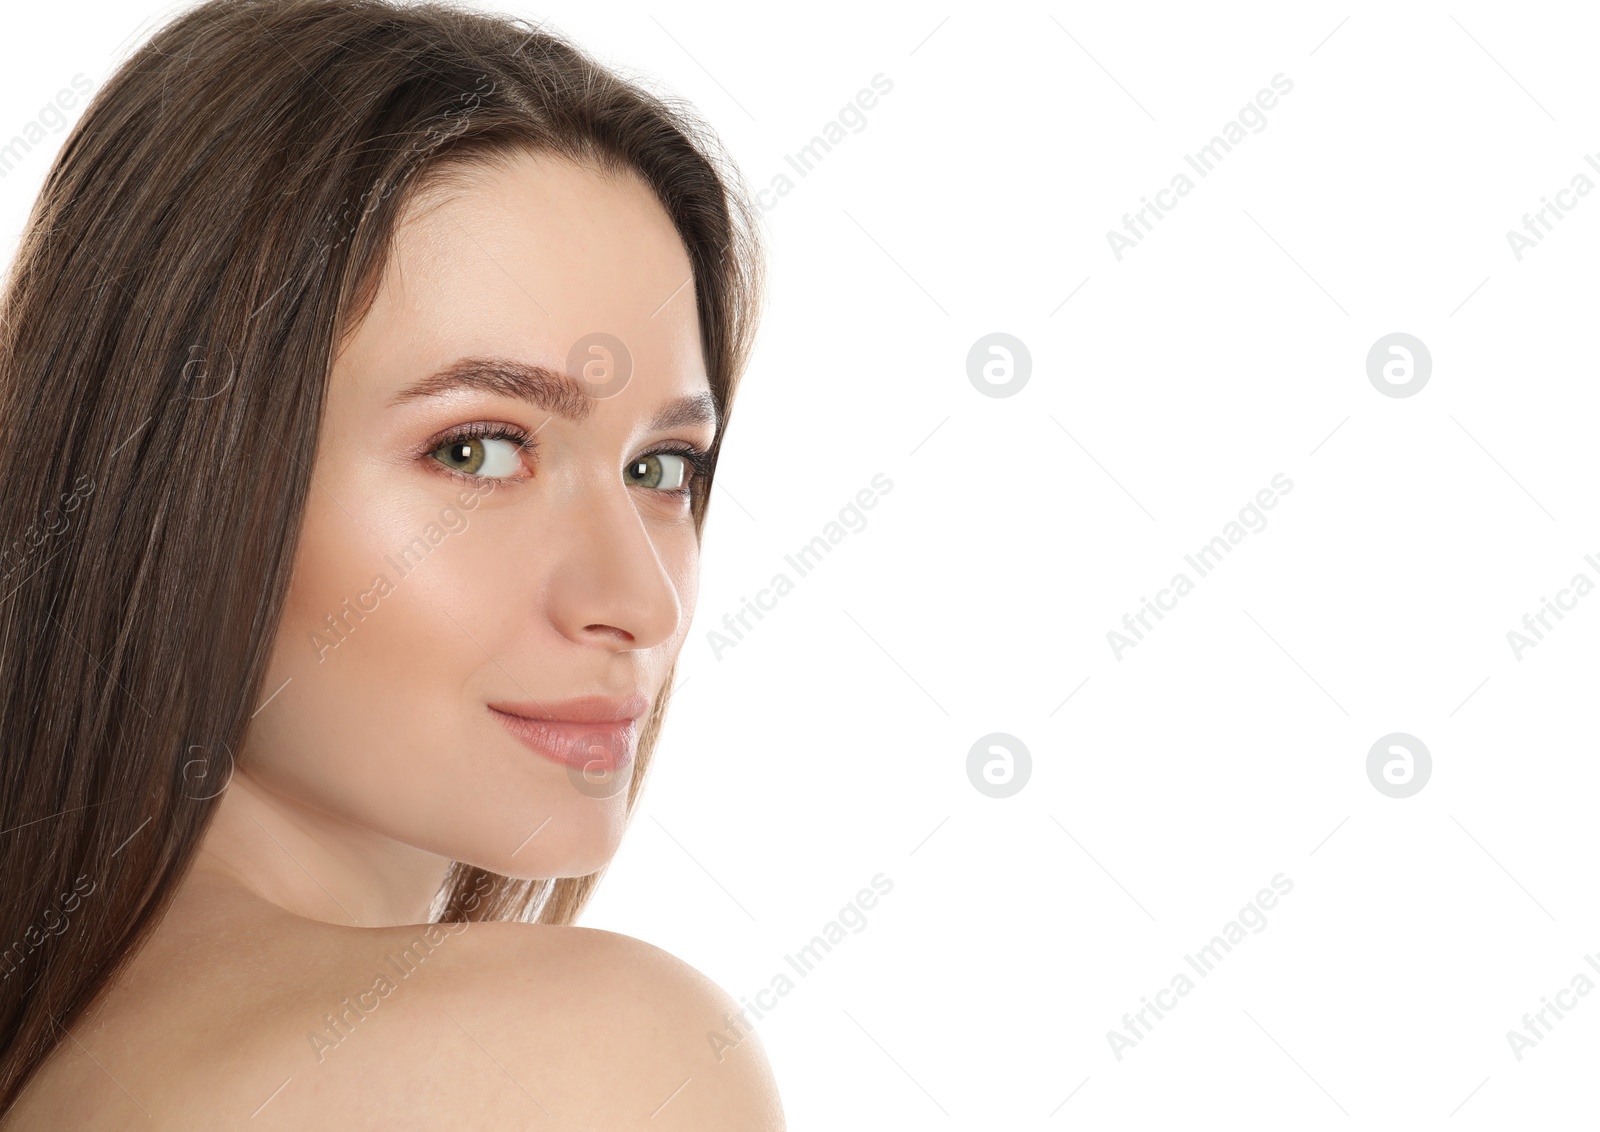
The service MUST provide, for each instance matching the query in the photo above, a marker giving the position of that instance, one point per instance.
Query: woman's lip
(592, 747)
(580, 709)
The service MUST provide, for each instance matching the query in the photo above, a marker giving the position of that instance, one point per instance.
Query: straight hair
(213, 229)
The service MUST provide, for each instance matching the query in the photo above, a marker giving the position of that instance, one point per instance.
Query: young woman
(363, 370)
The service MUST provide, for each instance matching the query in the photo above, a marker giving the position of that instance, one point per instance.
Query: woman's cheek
(685, 574)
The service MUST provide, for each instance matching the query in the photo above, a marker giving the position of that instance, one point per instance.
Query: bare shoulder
(269, 1023)
(524, 1025)
(613, 1028)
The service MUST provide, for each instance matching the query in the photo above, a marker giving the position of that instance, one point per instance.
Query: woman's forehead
(530, 260)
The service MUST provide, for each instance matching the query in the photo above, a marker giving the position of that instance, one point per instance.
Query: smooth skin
(375, 761)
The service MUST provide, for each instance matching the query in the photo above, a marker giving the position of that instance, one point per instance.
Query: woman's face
(486, 530)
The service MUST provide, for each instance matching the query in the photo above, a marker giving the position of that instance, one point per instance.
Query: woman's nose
(609, 579)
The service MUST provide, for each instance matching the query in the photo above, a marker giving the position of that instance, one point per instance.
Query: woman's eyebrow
(691, 409)
(505, 377)
(556, 393)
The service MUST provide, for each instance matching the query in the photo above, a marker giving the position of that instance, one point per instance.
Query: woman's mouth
(592, 746)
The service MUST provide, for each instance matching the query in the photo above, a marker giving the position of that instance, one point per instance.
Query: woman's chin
(567, 845)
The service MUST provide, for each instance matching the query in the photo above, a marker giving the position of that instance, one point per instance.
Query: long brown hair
(213, 229)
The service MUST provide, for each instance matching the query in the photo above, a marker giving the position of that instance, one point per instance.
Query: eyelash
(698, 459)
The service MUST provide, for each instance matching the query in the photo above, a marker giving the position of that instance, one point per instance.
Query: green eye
(662, 471)
(492, 454)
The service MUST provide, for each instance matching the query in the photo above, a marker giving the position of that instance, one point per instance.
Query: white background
(1230, 745)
